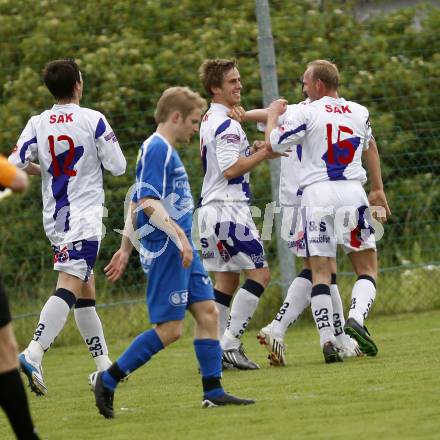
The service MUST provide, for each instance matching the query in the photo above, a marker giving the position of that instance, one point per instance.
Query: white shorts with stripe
(336, 212)
(229, 239)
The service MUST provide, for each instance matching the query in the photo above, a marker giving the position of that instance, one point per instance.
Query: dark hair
(213, 71)
(60, 77)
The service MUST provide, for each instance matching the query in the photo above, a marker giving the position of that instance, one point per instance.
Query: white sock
(297, 300)
(223, 315)
(90, 327)
(362, 298)
(53, 316)
(322, 311)
(242, 310)
(338, 313)
(222, 301)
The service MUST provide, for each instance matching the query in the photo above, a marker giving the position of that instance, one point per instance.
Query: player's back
(333, 133)
(289, 191)
(222, 142)
(73, 145)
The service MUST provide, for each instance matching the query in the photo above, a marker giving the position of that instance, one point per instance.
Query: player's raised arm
(109, 151)
(377, 196)
(285, 136)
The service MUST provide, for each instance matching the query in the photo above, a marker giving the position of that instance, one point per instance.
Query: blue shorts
(171, 289)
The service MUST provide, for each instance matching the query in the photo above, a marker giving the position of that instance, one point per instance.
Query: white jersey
(289, 191)
(333, 133)
(72, 145)
(222, 143)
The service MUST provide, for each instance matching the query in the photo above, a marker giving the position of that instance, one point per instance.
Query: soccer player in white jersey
(334, 134)
(73, 145)
(299, 293)
(229, 239)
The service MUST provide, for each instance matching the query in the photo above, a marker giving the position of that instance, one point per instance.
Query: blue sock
(143, 347)
(209, 355)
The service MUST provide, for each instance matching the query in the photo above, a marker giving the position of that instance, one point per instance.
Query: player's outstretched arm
(241, 115)
(377, 196)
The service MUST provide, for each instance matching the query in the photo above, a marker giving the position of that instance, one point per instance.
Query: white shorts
(229, 239)
(336, 212)
(76, 258)
(295, 237)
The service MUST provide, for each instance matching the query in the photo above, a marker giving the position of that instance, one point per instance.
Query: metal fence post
(269, 85)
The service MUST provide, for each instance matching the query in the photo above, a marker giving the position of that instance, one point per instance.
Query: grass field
(393, 396)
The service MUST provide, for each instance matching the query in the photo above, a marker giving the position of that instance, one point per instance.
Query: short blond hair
(180, 99)
(213, 71)
(326, 71)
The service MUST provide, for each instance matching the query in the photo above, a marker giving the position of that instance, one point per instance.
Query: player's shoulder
(358, 108)
(156, 145)
(91, 113)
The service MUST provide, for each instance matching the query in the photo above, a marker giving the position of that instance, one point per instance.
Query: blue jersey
(161, 175)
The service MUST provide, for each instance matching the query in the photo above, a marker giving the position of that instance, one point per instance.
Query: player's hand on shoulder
(115, 269)
(277, 107)
(377, 198)
(257, 146)
(238, 113)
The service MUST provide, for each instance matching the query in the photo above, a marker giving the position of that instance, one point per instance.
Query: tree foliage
(129, 52)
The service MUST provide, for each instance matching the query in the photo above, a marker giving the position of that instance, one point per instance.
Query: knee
(227, 286)
(169, 333)
(261, 276)
(208, 316)
(365, 268)
(265, 278)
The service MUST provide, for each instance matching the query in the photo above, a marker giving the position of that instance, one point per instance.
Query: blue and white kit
(333, 133)
(229, 238)
(161, 175)
(73, 145)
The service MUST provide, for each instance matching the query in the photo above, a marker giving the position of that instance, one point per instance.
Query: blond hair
(326, 71)
(177, 99)
(213, 71)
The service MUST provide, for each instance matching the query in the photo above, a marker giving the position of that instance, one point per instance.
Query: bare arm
(377, 196)
(239, 114)
(161, 219)
(245, 164)
(33, 169)
(20, 182)
(117, 265)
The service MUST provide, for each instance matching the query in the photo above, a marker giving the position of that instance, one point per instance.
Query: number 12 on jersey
(57, 171)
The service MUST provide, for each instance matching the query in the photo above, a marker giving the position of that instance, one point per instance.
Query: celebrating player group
(324, 143)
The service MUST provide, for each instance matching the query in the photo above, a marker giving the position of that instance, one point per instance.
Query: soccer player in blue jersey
(177, 281)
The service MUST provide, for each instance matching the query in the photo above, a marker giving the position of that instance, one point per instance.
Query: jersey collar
(215, 106)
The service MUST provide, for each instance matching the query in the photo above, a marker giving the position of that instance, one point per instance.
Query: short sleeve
(109, 151)
(152, 170)
(291, 132)
(228, 140)
(26, 149)
(368, 133)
